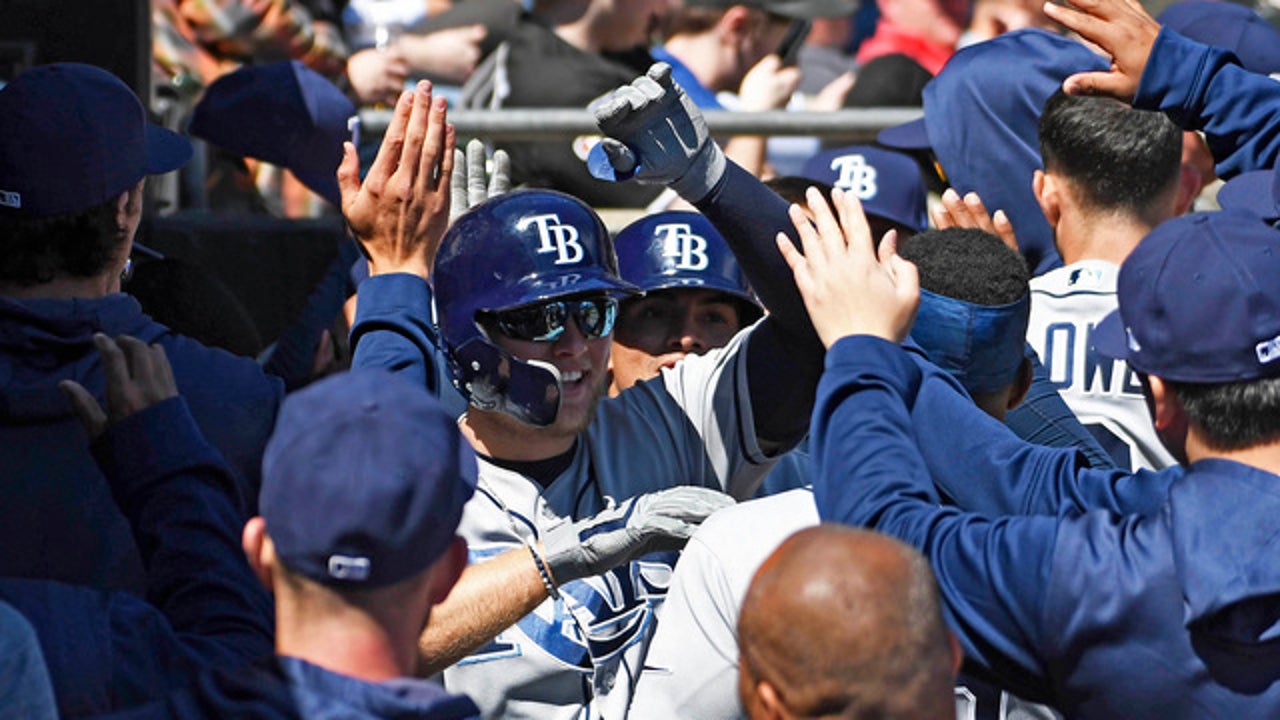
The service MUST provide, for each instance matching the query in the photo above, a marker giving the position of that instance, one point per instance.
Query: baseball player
(1111, 174)
(579, 503)
(1183, 624)
(695, 295)
(692, 666)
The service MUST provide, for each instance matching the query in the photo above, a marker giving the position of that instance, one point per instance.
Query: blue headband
(979, 345)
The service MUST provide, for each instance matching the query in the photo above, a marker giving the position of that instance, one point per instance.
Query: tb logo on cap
(345, 567)
(554, 237)
(855, 175)
(681, 246)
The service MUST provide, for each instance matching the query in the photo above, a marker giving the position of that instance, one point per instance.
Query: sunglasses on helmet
(545, 322)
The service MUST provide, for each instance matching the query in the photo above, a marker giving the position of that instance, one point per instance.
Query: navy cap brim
(907, 136)
(1251, 192)
(1109, 337)
(166, 150)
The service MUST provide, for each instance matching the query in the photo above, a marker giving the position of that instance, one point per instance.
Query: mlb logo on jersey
(682, 249)
(554, 237)
(854, 174)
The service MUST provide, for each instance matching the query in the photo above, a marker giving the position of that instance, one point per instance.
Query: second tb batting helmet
(679, 249)
(514, 250)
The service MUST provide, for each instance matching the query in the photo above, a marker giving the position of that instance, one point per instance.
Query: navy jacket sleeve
(992, 573)
(1204, 88)
(294, 352)
(988, 469)
(749, 215)
(179, 498)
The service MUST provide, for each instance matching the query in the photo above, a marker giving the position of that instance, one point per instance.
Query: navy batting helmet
(680, 250)
(517, 249)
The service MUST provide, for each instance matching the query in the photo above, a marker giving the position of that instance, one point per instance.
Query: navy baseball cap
(1199, 301)
(73, 136)
(364, 480)
(1229, 26)
(1257, 192)
(283, 113)
(982, 346)
(887, 183)
(981, 120)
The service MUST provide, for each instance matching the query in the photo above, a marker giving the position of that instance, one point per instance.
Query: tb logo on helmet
(681, 247)
(554, 237)
(856, 176)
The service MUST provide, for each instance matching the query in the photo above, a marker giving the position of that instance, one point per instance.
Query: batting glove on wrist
(657, 522)
(655, 134)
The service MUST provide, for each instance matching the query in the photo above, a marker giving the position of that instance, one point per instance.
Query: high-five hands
(971, 212)
(847, 287)
(1123, 29)
(137, 376)
(400, 211)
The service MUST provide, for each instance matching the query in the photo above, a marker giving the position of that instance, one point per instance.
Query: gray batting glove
(655, 134)
(470, 184)
(657, 522)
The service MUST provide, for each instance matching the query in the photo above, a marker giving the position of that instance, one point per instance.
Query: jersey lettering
(856, 176)
(614, 610)
(681, 248)
(554, 237)
(1097, 374)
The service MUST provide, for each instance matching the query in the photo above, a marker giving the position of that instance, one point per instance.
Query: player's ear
(957, 653)
(1046, 189)
(1021, 384)
(1166, 408)
(770, 701)
(736, 25)
(259, 550)
(447, 568)
(1189, 184)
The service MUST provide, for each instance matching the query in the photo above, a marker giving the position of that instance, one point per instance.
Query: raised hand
(400, 211)
(1123, 29)
(847, 289)
(470, 184)
(971, 212)
(137, 376)
(654, 133)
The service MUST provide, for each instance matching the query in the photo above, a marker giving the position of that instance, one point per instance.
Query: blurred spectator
(715, 47)
(446, 55)
(564, 56)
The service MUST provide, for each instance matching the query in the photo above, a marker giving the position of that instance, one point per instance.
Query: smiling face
(583, 363)
(659, 329)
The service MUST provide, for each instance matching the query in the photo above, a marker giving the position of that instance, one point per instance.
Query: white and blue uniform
(1066, 303)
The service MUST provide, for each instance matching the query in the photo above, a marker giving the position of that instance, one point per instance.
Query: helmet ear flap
(493, 379)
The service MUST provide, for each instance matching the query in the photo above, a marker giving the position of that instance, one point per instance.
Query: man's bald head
(841, 622)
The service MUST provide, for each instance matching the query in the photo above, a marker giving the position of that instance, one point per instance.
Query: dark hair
(1118, 157)
(79, 244)
(967, 264)
(1233, 416)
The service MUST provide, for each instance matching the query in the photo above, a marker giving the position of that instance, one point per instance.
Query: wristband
(544, 573)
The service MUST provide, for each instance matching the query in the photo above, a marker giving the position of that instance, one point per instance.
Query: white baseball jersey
(692, 667)
(579, 656)
(1105, 394)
